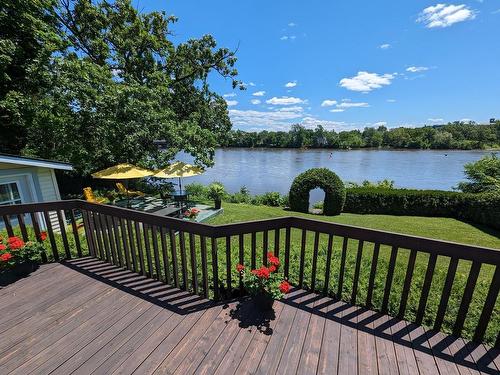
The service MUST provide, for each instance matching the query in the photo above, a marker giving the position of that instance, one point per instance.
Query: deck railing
(410, 277)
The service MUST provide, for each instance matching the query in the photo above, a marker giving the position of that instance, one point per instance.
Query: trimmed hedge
(323, 178)
(478, 208)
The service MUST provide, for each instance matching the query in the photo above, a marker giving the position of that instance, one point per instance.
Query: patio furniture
(131, 193)
(89, 196)
(181, 198)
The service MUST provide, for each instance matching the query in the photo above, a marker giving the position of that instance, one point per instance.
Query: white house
(29, 180)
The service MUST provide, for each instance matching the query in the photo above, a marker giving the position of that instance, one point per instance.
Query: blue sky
(351, 64)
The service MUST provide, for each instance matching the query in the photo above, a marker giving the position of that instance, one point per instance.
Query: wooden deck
(86, 316)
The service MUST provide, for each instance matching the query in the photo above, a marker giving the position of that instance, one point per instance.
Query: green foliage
(318, 178)
(216, 191)
(478, 208)
(197, 191)
(457, 135)
(272, 199)
(14, 251)
(483, 175)
(383, 184)
(105, 80)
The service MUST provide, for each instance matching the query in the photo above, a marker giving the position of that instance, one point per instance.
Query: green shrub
(197, 190)
(272, 199)
(478, 208)
(216, 191)
(323, 178)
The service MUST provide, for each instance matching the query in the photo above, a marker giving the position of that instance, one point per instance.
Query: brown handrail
(201, 257)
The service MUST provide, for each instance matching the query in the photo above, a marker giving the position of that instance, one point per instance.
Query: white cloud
(416, 69)
(384, 46)
(444, 15)
(435, 119)
(259, 93)
(346, 105)
(291, 109)
(255, 101)
(292, 24)
(231, 103)
(291, 84)
(284, 37)
(311, 122)
(288, 37)
(230, 95)
(336, 110)
(496, 11)
(391, 100)
(285, 100)
(365, 82)
(328, 103)
(270, 119)
(380, 123)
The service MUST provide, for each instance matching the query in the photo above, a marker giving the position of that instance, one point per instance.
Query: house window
(9, 194)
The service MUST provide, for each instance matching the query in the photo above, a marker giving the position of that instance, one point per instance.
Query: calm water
(262, 170)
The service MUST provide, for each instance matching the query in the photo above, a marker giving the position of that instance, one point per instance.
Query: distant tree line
(456, 135)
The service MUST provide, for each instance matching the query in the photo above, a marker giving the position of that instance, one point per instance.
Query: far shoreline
(357, 149)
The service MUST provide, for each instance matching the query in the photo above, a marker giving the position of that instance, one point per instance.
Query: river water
(263, 170)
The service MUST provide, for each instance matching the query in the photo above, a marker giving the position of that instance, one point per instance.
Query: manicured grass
(437, 228)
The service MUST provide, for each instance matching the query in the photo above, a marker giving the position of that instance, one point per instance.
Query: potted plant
(264, 285)
(216, 191)
(18, 258)
(192, 213)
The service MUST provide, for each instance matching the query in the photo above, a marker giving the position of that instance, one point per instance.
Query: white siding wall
(50, 192)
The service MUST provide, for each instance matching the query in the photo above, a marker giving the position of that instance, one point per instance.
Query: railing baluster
(62, 227)
(22, 226)
(373, 272)
(105, 237)
(52, 238)
(147, 250)
(445, 295)
(228, 264)
(407, 283)
(182, 246)
(390, 276)
(126, 249)
(287, 252)
(97, 225)
(277, 242)
(254, 249)
(133, 250)
(328, 264)
(36, 228)
(314, 261)
(164, 251)
(215, 268)
(118, 246)
(109, 230)
(194, 268)
(489, 304)
(466, 298)
(138, 241)
(173, 249)
(204, 265)
(356, 272)
(242, 248)
(76, 236)
(342, 267)
(302, 258)
(156, 252)
(265, 244)
(8, 225)
(431, 265)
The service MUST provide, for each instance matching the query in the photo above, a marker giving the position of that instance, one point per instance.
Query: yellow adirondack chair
(89, 196)
(129, 193)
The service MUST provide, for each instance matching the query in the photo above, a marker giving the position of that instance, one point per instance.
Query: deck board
(86, 317)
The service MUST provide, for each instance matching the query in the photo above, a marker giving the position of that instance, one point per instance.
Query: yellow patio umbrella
(179, 170)
(123, 172)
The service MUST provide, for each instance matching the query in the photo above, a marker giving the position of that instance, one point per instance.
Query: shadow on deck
(86, 316)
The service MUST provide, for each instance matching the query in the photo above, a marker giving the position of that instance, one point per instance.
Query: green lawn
(438, 228)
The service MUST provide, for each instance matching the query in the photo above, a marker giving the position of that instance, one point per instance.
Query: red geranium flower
(272, 268)
(285, 286)
(15, 243)
(240, 267)
(43, 236)
(262, 272)
(5, 257)
(272, 259)
(2, 247)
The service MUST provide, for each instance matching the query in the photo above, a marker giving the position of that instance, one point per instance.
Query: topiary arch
(318, 178)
